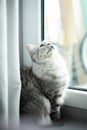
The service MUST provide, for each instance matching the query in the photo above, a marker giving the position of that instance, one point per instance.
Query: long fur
(45, 84)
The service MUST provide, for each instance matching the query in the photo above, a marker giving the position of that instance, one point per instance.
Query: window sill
(76, 98)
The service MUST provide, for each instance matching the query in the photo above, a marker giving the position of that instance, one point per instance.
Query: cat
(44, 84)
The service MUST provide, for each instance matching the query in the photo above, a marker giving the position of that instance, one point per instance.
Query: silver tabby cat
(44, 84)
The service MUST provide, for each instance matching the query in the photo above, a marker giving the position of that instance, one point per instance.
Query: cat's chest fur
(52, 71)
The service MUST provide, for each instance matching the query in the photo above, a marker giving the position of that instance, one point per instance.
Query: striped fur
(44, 84)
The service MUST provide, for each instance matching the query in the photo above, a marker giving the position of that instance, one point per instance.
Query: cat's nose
(50, 45)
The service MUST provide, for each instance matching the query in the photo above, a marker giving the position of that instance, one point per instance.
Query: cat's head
(42, 52)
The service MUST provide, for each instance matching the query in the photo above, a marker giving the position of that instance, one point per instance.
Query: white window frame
(31, 16)
(76, 98)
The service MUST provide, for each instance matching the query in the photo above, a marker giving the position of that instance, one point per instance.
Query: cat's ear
(30, 48)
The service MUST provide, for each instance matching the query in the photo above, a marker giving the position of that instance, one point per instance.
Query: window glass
(65, 22)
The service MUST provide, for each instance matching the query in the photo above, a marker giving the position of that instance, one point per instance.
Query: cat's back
(32, 101)
(28, 81)
(28, 86)
(25, 71)
(26, 75)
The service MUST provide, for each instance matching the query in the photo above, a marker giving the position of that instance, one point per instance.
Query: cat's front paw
(56, 117)
(45, 121)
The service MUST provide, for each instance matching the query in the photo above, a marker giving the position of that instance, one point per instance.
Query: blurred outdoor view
(65, 22)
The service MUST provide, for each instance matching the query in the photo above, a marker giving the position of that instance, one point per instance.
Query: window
(65, 23)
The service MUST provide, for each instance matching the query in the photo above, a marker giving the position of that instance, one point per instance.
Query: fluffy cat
(44, 84)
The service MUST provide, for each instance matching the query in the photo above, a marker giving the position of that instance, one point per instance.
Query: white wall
(31, 25)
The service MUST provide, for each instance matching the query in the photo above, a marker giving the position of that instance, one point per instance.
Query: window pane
(65, 24)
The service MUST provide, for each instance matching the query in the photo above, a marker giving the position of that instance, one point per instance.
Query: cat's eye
(48, 44)
(42, 45)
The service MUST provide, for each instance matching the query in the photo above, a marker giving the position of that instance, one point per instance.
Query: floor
(70, 125)
(65, 125)
(73, 119)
